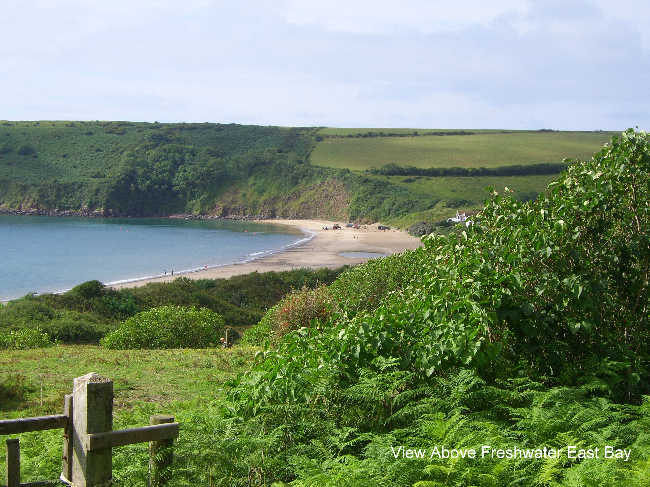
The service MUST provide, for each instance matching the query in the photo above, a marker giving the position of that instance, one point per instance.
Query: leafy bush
(366, 286)
(89, 289)
(24, 339)
(168, 327)
(298, 309)
(71, 330)
(421, 228)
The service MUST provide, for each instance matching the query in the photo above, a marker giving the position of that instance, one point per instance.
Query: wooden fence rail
(39, 423)
(88, 438)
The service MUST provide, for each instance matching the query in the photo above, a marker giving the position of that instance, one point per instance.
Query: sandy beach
(320, 251)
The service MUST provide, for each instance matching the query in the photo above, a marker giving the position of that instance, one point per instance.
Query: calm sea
(53, 254)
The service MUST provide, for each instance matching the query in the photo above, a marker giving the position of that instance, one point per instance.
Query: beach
(322, 250)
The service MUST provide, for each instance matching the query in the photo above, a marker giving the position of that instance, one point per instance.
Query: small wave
(309, 235)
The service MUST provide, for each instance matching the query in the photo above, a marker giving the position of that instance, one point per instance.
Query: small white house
(463, 217)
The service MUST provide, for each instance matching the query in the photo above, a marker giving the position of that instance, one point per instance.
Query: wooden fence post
(92, 412)
(13, 462)
(161, 454)
(66, 471)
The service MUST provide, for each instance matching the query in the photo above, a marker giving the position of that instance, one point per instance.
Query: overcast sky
(517, 64)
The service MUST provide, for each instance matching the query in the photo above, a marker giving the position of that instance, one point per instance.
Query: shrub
(89, 289)
(298, 309)
(421, 228)
(167, 327)
(70, 330)
(24, 339)
(366, 286)
(261, 332)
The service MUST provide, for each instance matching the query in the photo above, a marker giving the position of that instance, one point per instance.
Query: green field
(485, 149)
(469, 189)
(45, 375)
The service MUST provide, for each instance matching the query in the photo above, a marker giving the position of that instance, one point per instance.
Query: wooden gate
(88, 438)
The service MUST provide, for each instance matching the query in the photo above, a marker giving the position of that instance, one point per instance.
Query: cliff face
(328, 200)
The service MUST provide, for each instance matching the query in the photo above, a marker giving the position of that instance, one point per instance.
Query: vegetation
(91, 310)
(168, 327)
(22, 339)
(487, 149)
(124, 168)
(524, 334)
(527, 331)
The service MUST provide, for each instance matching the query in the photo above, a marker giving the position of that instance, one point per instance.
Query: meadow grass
(485, 149)
(160, 376)
(469, 190)
(186, 383)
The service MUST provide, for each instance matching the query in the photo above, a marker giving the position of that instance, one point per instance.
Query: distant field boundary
(513, 170)
(415, 133)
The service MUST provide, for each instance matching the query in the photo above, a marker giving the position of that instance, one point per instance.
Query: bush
(168, 327)
(69, 330)
(24, 339)
(298, 309)
(421, 228)
(89, 289)
(262, 332)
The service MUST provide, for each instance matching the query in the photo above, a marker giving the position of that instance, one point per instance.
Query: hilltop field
(396, 176)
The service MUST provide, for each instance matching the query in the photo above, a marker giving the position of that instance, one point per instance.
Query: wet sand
(321, 251)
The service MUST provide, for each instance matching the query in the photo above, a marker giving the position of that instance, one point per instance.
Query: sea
(50, 254)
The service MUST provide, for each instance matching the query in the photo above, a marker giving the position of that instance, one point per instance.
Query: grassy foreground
(186, 383)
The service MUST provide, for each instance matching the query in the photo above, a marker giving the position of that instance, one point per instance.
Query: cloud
(567, 64)
(385, 17)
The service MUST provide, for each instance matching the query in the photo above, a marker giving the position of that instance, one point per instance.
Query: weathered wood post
(161, 454)
(13, 462)
(92, 412)
(66, 471)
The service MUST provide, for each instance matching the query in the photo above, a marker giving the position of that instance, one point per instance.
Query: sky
(467, 64)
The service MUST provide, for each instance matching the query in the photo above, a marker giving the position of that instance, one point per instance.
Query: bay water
(41, 254)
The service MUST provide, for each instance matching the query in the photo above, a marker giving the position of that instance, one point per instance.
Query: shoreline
(319, 248)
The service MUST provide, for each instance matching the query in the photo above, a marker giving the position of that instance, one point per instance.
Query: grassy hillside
(83, 152)
(134, 168)
(397, 176)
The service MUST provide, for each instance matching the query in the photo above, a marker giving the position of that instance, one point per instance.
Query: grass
(484, 149)
(188, 384)
(469, 189)
(139, 376)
